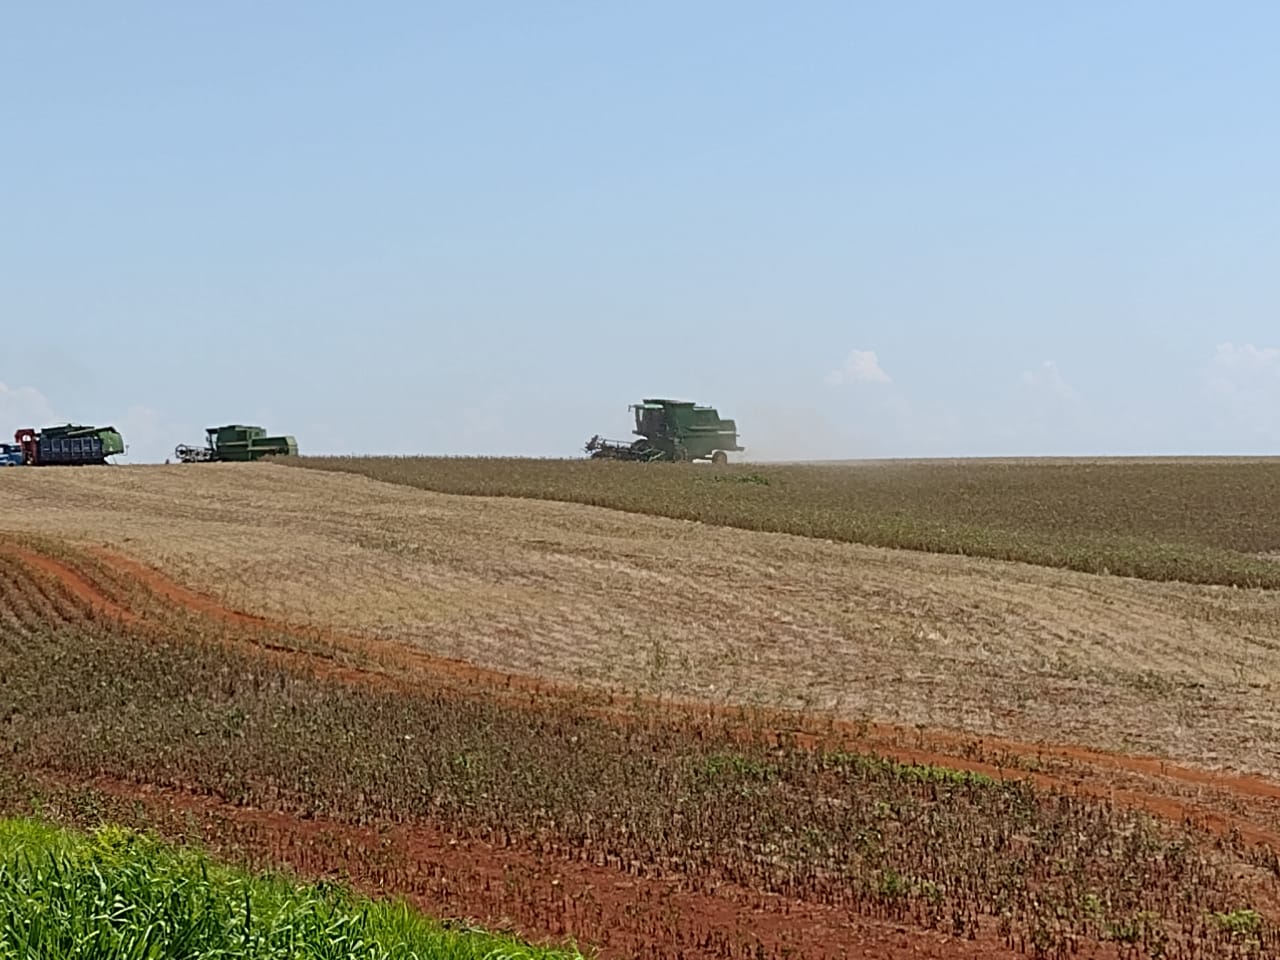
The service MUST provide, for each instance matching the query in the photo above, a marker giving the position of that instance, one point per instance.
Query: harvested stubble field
(637, 603)
(251, 656)
(1195, 520)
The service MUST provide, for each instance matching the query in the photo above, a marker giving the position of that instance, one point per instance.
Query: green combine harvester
(672, 430)
(237, 443)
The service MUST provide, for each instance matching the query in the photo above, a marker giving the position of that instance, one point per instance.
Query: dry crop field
(656, 736)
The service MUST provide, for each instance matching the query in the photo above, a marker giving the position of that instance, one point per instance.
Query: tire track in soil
(80, 587)
(617, 911)
(1090, 771)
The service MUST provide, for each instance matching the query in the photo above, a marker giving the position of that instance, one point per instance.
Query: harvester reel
(187, 454)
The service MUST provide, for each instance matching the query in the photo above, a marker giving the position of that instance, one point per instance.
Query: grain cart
(237, 443)
(671, 430)
(69, 445)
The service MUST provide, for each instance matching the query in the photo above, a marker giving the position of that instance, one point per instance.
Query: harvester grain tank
(237, 443)
(69, 445)
(672, 430)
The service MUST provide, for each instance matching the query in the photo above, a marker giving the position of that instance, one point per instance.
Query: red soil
(619, 911)
(614, 908)
(79, 586)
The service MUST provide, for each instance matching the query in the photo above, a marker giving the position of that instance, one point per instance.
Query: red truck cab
(29, 443)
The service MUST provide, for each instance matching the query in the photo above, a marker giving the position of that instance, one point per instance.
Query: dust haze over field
(647, 603)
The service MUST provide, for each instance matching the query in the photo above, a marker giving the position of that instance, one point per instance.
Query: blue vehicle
(11, 455)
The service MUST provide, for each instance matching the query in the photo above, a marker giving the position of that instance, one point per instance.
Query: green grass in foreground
(124, 896)
(1199, 521)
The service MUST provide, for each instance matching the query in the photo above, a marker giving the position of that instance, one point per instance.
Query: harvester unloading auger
(672, 430)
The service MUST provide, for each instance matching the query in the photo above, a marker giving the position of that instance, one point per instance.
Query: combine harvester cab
(237, 443)
(71, 445)
(672, 430)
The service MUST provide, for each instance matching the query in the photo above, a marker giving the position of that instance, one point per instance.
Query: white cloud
(23, 407)
(1235, 368)
(1047, 380)
(1043, 414)
(860, 366)
(1242, 387)
(148, 439)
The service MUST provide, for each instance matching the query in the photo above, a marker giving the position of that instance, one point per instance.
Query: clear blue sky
(863, 229)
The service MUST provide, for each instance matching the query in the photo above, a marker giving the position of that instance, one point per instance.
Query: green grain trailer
(672, 430)
(68, 445)
(237, 443)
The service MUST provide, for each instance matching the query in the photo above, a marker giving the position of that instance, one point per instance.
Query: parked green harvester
(237, 443)
(672, 430)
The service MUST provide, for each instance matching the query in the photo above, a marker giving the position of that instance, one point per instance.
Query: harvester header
(672, 430)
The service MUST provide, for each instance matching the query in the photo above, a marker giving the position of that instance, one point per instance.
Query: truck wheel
(719, 458)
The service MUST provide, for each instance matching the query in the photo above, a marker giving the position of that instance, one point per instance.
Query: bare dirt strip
(81, 587)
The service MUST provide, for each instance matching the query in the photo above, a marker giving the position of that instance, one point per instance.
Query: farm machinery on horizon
(665, 430)
(237, 443)
(70, 445)
(671, 430)
(79, 445)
